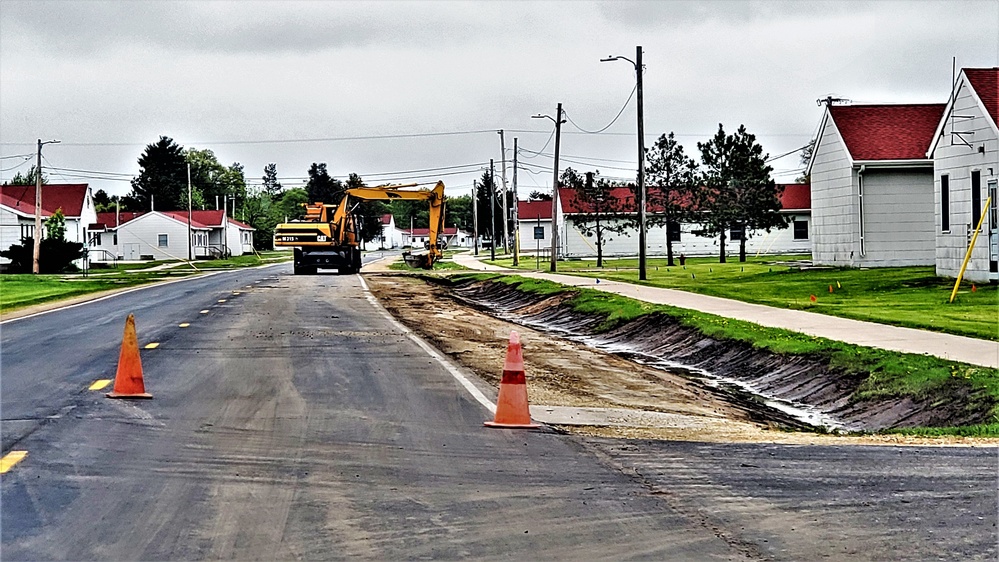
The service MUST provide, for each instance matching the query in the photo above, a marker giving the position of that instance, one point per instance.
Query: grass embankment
(912, 297)
(888, 374)
(19, 291)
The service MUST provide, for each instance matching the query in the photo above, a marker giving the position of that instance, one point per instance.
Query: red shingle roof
(111, 219)
(448, 231)
(66, 196)
(527, 210)
(199, 219)
(887, 132)
(985, 81)
(387, 219)
(796, 196)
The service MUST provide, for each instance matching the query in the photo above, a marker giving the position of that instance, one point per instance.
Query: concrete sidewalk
(869, 334)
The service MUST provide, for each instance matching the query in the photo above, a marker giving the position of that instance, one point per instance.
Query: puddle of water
(803, 413)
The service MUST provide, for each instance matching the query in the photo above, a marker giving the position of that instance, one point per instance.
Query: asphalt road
(293, 420)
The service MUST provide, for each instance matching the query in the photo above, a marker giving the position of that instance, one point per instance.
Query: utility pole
(506, 213)
(558, 135)
(225, 225)
(492, 211)
(641, 168)
(190, 233)
(475, 215)
(516, 211)
(36, 251)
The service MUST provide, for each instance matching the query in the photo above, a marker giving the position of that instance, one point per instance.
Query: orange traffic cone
(512, 410)
(128, 379)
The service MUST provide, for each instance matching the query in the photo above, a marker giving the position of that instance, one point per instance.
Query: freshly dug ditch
(807, 385)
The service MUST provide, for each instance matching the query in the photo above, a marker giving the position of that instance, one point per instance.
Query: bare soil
(562, 372)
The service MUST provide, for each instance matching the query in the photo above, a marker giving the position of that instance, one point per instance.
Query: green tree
(162, 179)
(539, 196)
(489, 206)
(599, 213)
(737, 192)
(29, 178)
(321, 187)
(272, 186)
(291, 205)
(671, 179)
(212, 181)
(55, 225)
(459, 212)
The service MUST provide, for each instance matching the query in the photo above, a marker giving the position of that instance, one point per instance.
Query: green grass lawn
(903, 296)
(18, 291)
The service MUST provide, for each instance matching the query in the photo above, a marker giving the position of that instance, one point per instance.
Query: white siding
(139, 237)
(898, 218)
(835, 223)
(527, 241)
(10, 230)
(957, 160)
(777, 241)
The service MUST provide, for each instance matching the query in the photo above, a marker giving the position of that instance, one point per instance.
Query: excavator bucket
(423, 261)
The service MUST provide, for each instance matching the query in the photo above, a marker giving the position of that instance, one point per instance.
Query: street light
(558, 134)
(37, 250)
(637, 63)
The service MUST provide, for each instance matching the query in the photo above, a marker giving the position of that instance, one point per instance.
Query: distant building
(535, 217)
(391, 236)
(452, 237)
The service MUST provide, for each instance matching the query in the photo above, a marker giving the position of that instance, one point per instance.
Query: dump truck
(328, 237)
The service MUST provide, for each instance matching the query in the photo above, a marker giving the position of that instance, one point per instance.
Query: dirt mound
(802, 382)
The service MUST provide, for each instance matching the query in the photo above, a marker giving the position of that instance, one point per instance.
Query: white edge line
(450, 367)
(133, 289)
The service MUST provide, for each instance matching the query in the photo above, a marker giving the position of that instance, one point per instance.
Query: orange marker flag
(812, 298)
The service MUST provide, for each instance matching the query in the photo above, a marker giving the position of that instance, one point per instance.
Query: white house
(535, 217)
(965, 154)
(534, 221)
(452, 236)
(163, 235)
(872, 186)
(17, 211)
(391, 237)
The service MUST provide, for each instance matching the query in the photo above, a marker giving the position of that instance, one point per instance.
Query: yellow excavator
(329, 236)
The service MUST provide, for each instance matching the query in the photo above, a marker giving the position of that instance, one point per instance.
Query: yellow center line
(206, 311)
(99, 384)
(152, 345)
(235, 292)
(184, 325)
(221, 300)
(10, 459)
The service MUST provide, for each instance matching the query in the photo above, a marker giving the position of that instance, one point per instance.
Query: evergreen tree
(737, 192)
(29, 178)
(321, 187)
(671, 178)
(162, 179)
(272, 186)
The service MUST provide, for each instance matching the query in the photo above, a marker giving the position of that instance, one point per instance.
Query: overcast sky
(296, 83)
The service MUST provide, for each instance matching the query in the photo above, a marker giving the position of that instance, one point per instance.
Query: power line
(623, 107)
(289, 141)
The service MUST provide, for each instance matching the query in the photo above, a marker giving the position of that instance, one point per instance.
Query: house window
(114, 239)
(737, 232)
(944, 203)
(27, 230)
(162, 240)
(96, 240)
(801, 230)
(673, 231)
(976, 197)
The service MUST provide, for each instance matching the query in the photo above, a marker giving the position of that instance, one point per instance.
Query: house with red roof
(872, 185)
(535, 220)
(167, 235)
(965, 155)
(451, 236)
(17, 211)
(391, 236)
